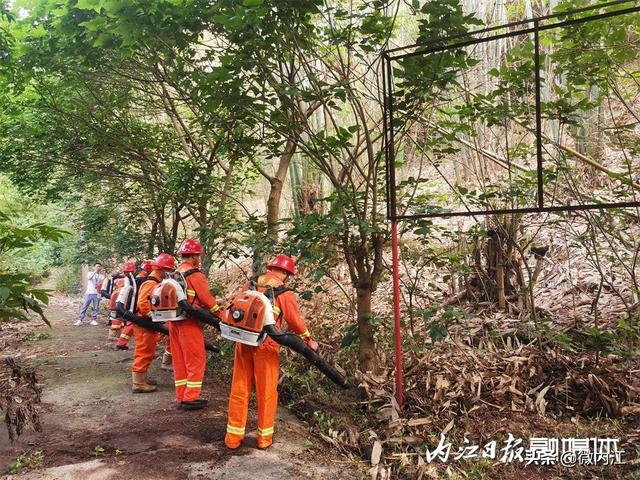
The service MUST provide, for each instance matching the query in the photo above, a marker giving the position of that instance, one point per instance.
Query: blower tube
(201, 314)
(294, 342)
(153, 326)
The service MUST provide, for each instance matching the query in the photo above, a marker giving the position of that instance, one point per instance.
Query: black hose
(205, 316)
(145, 322)
(289, 340)
(295, 343)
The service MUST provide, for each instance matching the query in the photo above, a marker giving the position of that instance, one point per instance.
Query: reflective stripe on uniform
(181, 383)
(305, 334)
(194, 384)
(276, 310)
(235, 430)
(191, 293)
(264, 432)
(215, 308)
(126, 337)
(167, 352)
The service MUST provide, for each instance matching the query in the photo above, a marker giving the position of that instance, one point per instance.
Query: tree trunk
(153, 237)
(277, 182)
(175, 225)
(206, 264)
(502, 301)
(367, 345)
(273, 202)
(273, 206)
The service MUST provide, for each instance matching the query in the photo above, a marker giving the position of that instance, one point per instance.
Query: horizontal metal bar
(551, 209)
(526, 31)
(513, 24)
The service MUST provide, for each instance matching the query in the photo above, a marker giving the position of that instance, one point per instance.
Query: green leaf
(89, 5)
(438, 332)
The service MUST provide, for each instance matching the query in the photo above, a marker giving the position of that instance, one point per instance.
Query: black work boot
(193, 405)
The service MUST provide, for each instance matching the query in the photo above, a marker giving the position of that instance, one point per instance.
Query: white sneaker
(93, 322)
(78, 323)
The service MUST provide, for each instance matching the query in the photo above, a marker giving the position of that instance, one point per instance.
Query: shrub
(66, 280)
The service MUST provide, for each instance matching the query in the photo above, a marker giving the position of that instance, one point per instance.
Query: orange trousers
(262, 365)
(188, 357)
(125, 335)
(146, 344)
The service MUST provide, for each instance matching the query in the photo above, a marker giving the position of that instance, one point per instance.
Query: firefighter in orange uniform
(147, 341)
(127, 331)
(262, 363)
(185, 336)
(118, 323)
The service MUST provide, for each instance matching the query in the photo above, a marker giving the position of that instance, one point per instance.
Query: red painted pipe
(396, 312)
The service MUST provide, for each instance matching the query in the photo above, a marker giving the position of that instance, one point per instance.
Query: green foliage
(66, 280)
(25, 211)
(623, 340)
(587, 69)
(5, 36)
(598, 340)
(380, 326)
(97, 451)
(37, 336)
(438, 323)
(546, 332)
(325, 421)
(350, 336)
(26, 461)
(628, 331)
(17, 296)
(425, 77)
(132, 159)
(150, 121)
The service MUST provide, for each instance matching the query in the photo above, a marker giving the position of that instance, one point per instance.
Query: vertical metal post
(396, 312)
(385, 129)
(536, 43)
(392, 213)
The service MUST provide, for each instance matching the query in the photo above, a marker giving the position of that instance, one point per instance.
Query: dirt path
(94, 428)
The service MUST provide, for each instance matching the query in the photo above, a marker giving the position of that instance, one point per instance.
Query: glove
(311, 343)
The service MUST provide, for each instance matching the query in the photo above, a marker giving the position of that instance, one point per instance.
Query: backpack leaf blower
(249, 320)
(124, 299)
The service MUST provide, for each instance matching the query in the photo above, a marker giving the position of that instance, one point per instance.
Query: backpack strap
(190, 272)
(280, 290)
(139, 284)
(271, 292)
(275, 293)
(189, 291)
(140, 281)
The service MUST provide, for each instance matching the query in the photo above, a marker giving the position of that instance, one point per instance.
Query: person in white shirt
(92, 297)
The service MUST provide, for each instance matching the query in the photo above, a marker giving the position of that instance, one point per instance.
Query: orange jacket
(198, 293)
(143, 307)
(287, 304)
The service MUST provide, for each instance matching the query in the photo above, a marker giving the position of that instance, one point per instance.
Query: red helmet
(129, 267)
(283, 262)
(164, 260)
(190, 247)
(147, 265)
